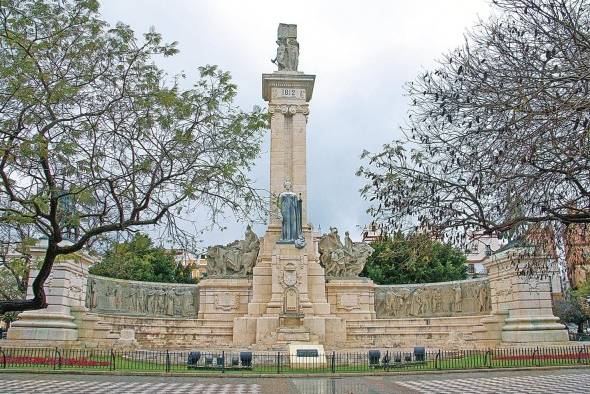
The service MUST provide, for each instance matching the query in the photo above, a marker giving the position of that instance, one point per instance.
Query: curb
(218, 375)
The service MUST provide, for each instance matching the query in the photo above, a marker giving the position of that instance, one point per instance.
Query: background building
(478, 249)
(197, 262)
(373, 232)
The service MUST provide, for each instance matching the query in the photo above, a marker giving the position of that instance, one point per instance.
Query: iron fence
(246, 362)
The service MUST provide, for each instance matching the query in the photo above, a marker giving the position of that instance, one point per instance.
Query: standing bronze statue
(290, 207)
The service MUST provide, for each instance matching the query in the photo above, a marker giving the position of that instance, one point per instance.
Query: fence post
(582, 348)
(167, 361)
(436, 362)
(58, 356)
(333, 361)
(223, 361)
(3, 358)
(113, 366)
(488, 353)
(278, 362)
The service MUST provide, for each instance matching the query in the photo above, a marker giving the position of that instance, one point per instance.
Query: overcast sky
(360, 51)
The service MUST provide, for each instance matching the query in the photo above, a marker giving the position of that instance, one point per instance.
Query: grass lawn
(103, 360)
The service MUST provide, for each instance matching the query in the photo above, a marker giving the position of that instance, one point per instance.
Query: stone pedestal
(224, 298)
(527, 300)
(65, 290)
(352, 299)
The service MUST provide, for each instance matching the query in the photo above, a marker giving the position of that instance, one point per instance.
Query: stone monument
(289, 289)
(288, 285)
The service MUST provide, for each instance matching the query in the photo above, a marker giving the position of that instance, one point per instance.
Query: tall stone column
(286, 277)
(288, 95)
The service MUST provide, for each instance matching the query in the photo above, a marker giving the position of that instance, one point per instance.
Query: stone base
(489, 332)
(533, 330)
(287, 335)
(223, 298)
(43, 326)
(291, 329)
(314, 356)
(351, 299)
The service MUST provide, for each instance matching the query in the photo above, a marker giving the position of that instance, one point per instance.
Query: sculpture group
(340, 260)
(288, 48)
(235, 259)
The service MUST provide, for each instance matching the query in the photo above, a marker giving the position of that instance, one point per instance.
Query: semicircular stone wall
(465, 297)
(133, 298)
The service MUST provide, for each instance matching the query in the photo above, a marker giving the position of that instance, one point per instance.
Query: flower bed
(73, 362)
(561, 356)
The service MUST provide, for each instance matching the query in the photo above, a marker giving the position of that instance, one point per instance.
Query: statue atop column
(290, 207)
(288, 48)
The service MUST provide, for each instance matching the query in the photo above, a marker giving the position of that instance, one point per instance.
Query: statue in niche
(483, 298)
(91, 296)
(235, 259)
(287, 58)
(291, 209)
(458, 299)
(342, 260)
(169, 302)
(418, 302)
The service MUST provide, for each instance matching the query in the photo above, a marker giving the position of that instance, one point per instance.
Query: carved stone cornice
(287, 79)
(288, 109)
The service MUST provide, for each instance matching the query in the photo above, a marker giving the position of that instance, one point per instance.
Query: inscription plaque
(307, 353)
(294, 93)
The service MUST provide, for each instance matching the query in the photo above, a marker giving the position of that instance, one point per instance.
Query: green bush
(138, 259)
(414, 258)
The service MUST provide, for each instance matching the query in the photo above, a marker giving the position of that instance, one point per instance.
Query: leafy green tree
(414, 258)
(138, 259)
(95, 138)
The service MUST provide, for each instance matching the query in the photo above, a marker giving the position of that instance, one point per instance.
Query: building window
(471, 268)
(488, 250)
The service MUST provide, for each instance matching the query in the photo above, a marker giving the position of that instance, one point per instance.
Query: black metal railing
(246, 362)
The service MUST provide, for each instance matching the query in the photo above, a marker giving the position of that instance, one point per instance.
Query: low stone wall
(126, 297)
(458, 298)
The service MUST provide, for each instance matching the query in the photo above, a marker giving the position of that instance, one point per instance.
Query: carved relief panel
(470, 297)
(116, 296)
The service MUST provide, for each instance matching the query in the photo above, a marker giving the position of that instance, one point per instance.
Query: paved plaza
(532, 381)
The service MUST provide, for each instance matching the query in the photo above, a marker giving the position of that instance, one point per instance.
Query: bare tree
(94, 138)
(498, 136)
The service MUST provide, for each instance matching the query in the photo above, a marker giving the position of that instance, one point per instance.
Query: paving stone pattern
(529, 381)
(566, 383)
(66, 387)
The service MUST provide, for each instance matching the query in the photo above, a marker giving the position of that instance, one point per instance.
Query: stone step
(408, 333)
(182, 341)
(461, 320)
(407, 339)
(410, 329)
(173, 331)
(162, 322)
(179, 337)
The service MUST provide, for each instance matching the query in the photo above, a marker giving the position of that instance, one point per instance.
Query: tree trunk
(39, 300)
(581, 328)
